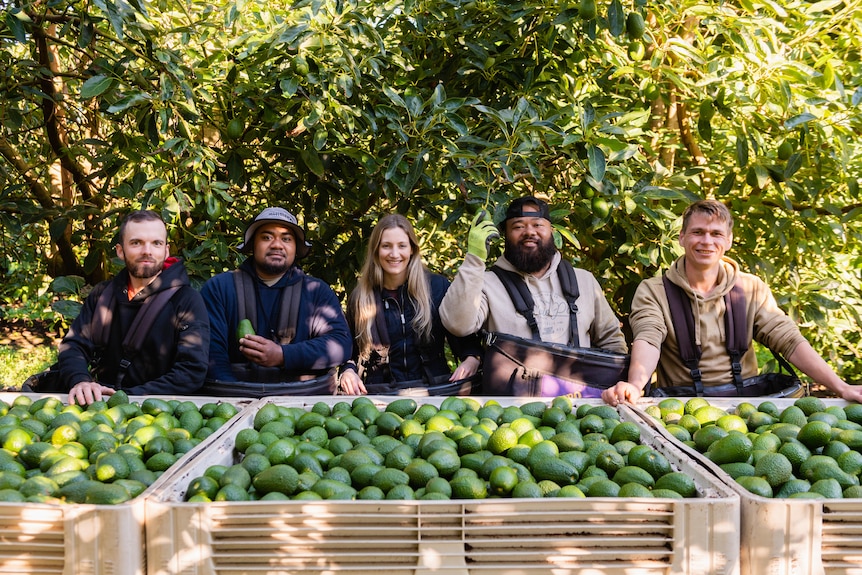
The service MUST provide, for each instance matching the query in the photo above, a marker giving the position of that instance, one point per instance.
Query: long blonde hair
(363, 300)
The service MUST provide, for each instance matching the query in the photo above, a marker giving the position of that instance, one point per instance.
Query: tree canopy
(619, 113)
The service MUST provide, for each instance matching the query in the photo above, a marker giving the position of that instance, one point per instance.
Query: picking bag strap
(736, 332)
(288, 313)
(245, 297)
(140, 328)
(521, 297)
(144, 320)
(100, 325)
(683, 323)
(569, 283)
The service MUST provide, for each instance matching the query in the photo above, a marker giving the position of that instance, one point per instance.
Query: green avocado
(244, 329)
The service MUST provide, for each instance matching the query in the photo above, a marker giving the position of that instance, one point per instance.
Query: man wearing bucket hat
(300, 333)
(478, 299)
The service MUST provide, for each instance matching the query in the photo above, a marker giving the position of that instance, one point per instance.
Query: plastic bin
(75, 539)
(554, 536)
(787, 536)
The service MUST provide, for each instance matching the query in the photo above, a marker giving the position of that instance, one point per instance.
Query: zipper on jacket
(400, 309)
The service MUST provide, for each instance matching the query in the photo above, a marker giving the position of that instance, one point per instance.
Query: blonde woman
(398, 339)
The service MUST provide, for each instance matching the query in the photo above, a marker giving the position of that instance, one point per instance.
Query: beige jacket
(766, 323)
(478, 300)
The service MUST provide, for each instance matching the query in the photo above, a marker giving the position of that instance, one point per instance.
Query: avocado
(244, 329)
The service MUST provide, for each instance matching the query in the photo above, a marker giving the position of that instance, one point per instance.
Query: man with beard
(300, 333)
(95, 358)
(478, 300)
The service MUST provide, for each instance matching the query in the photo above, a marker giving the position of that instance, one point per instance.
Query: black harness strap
(523, 299)
(288, 313)
(141, 325)
(736, 333)
(569, 283)
(734, 323)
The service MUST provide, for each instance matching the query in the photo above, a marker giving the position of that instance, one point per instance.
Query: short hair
(137, 216)
(711, 208)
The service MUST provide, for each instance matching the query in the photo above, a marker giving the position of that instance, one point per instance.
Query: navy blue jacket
(405, 361)
(173, 357)
(322, 339)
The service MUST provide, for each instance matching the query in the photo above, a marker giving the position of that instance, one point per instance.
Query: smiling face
(529, 243)
(393, 255)
(274, 250)
(705, 240)
(144, 248)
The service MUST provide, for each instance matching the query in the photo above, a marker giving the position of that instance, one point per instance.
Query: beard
(272, 268)
(530, 260)
(144, 270)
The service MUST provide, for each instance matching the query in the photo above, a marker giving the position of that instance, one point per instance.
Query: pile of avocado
(105, 453)
(806, 450)
(462, 449)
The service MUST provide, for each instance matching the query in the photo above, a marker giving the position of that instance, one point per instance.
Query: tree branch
(43, 196)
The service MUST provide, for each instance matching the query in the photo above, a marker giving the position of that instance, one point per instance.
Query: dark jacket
(173, 357)
(322, 339)
(405, 355)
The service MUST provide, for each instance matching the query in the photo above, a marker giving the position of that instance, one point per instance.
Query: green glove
(482, 232)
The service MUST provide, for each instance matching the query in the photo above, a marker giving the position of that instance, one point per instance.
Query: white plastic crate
(77, 539)
(553, 536)
(787, 536)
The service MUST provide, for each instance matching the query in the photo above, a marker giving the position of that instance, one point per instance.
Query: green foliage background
(341, 111)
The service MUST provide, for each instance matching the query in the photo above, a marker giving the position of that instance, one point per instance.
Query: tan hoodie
(478, 300)
(651, 322)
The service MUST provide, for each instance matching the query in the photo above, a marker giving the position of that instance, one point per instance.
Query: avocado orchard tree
(618, 112)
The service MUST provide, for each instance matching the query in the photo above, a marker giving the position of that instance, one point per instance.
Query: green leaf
(17, 27)
(128, 102)
(824, 6)
(312, 161)
(794, 162)
(596, 162)
(67, 284)
(726, 185)
(741, 149)
(95, 86)
(616, 18)
(798, 120)
(57, 227)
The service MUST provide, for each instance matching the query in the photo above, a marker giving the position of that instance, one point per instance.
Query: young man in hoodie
(478, 300)
(705, 276)
(172, 360)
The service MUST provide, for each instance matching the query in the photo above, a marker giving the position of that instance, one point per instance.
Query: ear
(119, 248)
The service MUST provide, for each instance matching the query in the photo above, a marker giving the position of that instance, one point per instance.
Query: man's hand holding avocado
(258, 349)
